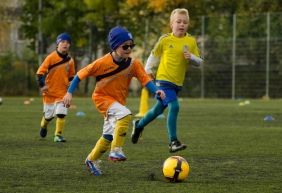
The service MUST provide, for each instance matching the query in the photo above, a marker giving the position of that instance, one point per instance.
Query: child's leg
(120, 132)
(48, 115)
(100, 148)
(118, 120)
(44, 122)
(154, 112)
(60, 124)
(175, 144)
(173, 109)
(61, 112)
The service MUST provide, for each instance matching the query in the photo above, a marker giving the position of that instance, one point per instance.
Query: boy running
(54, 76)
(173, 53)
(113, 73)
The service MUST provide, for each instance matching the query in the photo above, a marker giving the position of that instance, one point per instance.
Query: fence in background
(243, 57)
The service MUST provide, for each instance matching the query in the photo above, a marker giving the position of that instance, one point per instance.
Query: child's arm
(68, 96)
(196, 61)
(150, 64)
(154, 90)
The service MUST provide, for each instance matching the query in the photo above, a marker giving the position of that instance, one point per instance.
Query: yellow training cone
(144, 103)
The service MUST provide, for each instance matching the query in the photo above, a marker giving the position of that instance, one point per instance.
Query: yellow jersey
(173, 65)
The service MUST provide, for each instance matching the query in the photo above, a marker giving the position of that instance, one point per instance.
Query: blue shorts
(171, 90)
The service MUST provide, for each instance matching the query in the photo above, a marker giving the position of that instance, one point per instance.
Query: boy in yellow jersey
(54, 76)
(174, 52)
(113, 73)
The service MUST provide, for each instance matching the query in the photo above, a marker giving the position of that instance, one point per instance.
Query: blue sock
(173, 109)
(151, 115)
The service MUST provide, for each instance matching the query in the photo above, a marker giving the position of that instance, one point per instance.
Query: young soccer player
(173, 53)
(54, 76)
(113, 73)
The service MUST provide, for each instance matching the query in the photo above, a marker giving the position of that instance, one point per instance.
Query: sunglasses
(125, 47)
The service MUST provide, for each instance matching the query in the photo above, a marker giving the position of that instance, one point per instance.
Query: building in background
(11, 39)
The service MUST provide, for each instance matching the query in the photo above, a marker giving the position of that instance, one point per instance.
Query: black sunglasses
(125, 47)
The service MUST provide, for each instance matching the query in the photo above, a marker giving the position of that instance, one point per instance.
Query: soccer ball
(175, 169)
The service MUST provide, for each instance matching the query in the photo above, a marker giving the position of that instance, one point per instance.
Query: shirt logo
(170, 46)
(68, 67)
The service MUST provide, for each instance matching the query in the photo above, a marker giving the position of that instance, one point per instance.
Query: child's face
(63, 46)
(179, 25)
(124, 50)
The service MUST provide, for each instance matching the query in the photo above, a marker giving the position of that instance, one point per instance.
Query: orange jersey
(113, 88)
(57, 77)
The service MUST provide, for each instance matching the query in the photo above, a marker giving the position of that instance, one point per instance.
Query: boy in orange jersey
(113, 73)
(54, 76)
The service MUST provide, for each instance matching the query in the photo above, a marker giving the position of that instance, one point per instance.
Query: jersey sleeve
(43, 69)
(157, 50)
(139, 72)
(87, 71)
(195, 49)
(72, 69)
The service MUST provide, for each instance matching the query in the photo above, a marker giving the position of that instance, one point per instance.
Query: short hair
(179, 11)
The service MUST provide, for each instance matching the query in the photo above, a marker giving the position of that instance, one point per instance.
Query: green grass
(230, 149)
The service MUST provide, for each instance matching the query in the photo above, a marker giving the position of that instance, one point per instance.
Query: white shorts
(115, 112)
(51, 110)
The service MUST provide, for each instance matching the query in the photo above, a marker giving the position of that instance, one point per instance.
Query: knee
(158, 110)
(122, 125)
(126, 119)
(48, 119)
(61, 116)
(108, 137)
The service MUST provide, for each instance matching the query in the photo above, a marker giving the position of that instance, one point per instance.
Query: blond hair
(179, 11)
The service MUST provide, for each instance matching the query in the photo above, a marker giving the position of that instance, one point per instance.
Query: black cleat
(175, 146)
(43, 132)
(136, 132)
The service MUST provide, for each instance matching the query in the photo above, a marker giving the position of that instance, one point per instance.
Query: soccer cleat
(136, 132)
(175, 146)
(93, 167)
(117, 155)
(59, 138)
(43, 132)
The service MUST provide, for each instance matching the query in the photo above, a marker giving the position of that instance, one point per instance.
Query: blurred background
(240, 41)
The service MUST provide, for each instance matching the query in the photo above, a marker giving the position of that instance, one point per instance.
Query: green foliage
(77, 17)
(234, 151)
(89, 21)
(17, 76)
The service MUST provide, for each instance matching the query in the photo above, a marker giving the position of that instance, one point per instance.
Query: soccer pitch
(230, 149)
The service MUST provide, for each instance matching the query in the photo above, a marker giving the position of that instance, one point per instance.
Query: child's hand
(160, 94)
(67, 99)
(44, 89)
(152, 76)
(187, 55)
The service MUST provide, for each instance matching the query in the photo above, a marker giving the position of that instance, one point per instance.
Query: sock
(151, 115)
(100, 148)
(44, 123)
(173, 109)
(120, 132)
(60, 124)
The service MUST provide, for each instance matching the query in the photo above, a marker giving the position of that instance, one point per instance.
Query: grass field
(230, 149)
